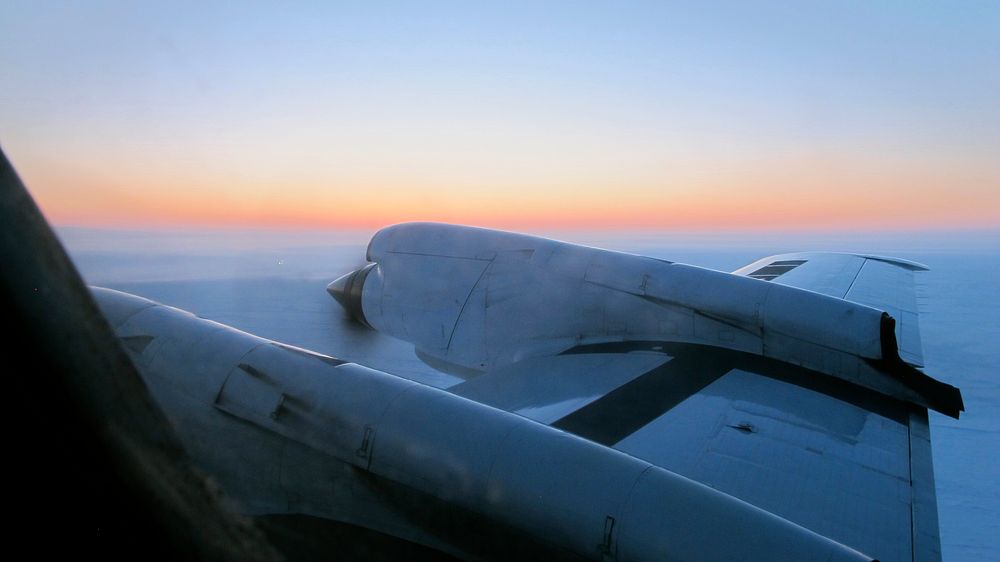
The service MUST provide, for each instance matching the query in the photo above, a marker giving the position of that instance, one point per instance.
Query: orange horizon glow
(683, 212)
(782, 200)
(596, 118)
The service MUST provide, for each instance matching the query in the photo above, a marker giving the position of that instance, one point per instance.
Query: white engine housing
(479, 299)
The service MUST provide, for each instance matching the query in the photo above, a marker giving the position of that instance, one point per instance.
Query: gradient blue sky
(648, 114)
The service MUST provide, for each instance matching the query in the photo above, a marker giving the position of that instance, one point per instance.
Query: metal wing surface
(782, 398)
(841, 460)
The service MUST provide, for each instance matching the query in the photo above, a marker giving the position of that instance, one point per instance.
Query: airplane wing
(788, 385)
(849, 464)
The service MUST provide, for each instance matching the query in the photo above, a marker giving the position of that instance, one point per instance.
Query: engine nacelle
(479, 299)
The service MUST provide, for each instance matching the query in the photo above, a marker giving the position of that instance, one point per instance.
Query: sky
(661, 115)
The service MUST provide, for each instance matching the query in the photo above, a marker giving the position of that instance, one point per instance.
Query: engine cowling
(481, 299)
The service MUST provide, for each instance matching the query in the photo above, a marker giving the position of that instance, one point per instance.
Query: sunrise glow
(632, 116)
